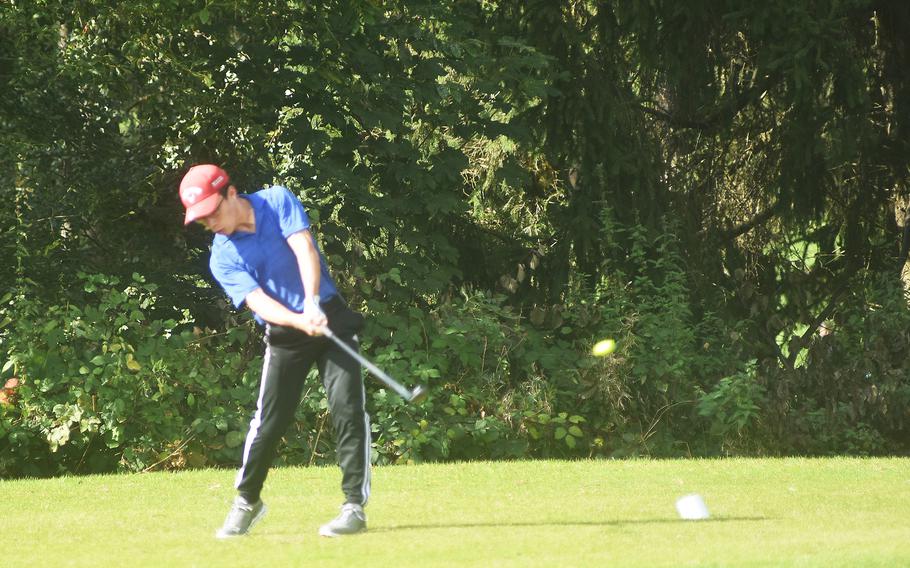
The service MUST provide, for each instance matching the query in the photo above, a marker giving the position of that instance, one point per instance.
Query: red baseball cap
(200, 191)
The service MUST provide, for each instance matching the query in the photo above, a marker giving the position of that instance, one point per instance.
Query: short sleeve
(292, 217)
(233, 278)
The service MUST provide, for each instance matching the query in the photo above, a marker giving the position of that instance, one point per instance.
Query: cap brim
(202, 209)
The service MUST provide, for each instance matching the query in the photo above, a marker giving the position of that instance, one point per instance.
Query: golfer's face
(216, 221)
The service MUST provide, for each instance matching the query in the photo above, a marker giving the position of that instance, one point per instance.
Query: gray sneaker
(351, 520)
(241, 518)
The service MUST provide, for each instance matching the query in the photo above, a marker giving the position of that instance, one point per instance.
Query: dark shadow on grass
(617, 523)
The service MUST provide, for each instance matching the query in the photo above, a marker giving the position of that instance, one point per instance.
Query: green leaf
(575, 431)
(112, 439)
(58, 436)
(233, 439)
(560, 433)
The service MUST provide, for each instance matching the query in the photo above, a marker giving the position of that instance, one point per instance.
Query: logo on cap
(191, 194)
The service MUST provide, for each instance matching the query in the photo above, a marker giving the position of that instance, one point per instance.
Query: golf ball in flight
(603, 348)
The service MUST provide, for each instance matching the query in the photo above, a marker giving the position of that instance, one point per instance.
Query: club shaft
(377, 372)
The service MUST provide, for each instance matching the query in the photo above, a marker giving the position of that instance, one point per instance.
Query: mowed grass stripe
(764, 512)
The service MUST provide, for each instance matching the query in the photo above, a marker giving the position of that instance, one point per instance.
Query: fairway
(790, 512)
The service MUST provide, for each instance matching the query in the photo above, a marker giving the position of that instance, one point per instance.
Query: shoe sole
(329, 533)
(255, 520)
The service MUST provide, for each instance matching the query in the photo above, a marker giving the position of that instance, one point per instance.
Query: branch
(747, 226)
(172, 454)
(817, 321)
(674, 120)
(725, 111)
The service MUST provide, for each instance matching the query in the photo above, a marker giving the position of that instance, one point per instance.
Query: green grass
(791, 512)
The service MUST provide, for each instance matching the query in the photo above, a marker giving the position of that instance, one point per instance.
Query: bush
(853, 394)
(103, 388)
(101, 385)
(643, 400)
(106, 388)
(494, 384)
(735, 406)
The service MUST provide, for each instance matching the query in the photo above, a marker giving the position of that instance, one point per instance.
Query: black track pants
(289, 356)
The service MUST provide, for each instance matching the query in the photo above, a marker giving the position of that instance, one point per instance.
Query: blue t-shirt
(243, 262)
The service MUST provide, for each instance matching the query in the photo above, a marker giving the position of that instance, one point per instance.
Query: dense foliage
(497, 185)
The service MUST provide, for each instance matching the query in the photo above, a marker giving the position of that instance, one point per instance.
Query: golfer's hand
(313, 319)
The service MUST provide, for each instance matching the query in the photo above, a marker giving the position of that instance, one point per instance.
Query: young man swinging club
(264, 255)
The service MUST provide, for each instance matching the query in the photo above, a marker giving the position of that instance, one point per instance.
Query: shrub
(734, 406)
(105, 388)
(853, 393)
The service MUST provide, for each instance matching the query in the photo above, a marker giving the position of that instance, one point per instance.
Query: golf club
(417, 394)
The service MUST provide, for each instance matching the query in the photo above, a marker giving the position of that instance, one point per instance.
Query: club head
(418, 394)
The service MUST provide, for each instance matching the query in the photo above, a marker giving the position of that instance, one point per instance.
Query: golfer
(264, 255)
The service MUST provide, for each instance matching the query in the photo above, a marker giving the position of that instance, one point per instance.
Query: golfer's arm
(271, 310)
(304, 249)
